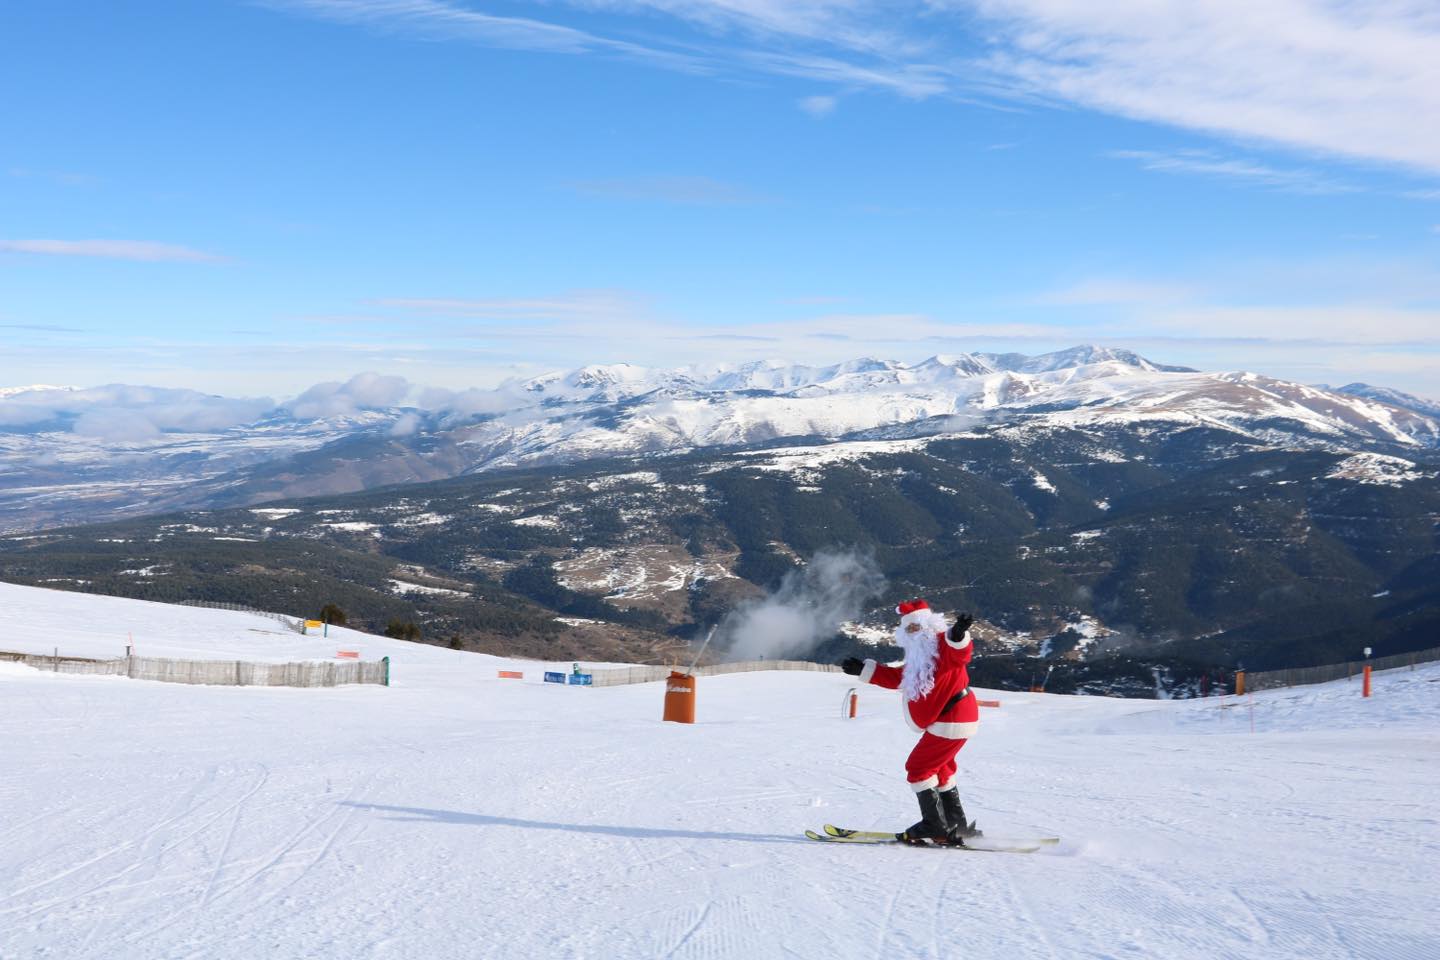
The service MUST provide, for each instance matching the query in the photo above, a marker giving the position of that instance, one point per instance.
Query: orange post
(347, 654)
(854, 703)
(680, 698)
(1366, 693)
(510, 674)
(1239, 682)
(988, 703)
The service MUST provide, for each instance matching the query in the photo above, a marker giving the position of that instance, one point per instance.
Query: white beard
(922, 649)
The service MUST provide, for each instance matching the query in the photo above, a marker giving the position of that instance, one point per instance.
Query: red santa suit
(936, 700)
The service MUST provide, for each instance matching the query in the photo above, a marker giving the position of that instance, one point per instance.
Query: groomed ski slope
(456, 815)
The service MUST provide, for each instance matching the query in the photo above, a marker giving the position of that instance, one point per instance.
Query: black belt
(952, 701)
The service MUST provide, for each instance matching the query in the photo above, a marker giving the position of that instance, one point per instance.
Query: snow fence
(234, 673)
(649, 674)
(1300, 676)
(293, 623)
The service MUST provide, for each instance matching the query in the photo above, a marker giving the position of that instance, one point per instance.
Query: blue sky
(250, 197)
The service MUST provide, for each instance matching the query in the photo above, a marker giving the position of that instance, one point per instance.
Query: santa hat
(913, 611)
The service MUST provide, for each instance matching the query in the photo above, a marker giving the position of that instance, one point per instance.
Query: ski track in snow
(455, 815)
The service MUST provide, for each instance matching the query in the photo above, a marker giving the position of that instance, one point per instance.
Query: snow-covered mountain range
(69, 455)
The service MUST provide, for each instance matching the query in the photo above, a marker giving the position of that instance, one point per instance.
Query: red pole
(1367, 681)
(854, 699)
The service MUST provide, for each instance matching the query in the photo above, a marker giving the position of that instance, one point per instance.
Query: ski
(873, 837)
(842, 833)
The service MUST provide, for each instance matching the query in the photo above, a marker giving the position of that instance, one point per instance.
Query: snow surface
(456, 815)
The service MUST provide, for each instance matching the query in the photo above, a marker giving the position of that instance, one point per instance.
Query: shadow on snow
(644, 833)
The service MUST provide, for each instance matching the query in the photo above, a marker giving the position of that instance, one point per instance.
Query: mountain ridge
(65, 464)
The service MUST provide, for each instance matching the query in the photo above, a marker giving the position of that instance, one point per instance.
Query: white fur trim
(868, 671)
(954, 731)
(916, 616)
(960, 644)
(909, 720)
(927, 784)
(947, 785)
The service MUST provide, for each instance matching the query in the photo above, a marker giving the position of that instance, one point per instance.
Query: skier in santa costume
(937, 704)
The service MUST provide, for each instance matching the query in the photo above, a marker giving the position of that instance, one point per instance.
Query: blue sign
(554, 677)
(582, 679)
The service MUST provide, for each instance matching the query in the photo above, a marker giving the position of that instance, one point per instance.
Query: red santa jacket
(952, 676)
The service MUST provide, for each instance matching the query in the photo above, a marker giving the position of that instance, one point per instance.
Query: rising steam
(809, 606)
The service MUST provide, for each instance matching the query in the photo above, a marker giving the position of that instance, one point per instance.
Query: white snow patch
(150, 571)
(401, 586)
(355, 526)
(619, 479)
(537, 520)
(805, 459)
(422, 520)
(1376, 468)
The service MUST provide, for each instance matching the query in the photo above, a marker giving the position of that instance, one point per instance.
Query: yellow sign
(313, 623)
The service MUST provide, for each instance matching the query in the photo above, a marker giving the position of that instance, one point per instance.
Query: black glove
(962, 623)
(852, 666)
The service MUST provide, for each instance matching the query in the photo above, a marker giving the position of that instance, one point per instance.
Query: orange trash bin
(680, 698)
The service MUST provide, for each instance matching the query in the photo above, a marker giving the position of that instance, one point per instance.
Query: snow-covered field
(456, 815)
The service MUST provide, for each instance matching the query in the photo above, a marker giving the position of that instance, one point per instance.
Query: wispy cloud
(1341, 78)
(1109, 292)
(1347, 78)
(687, 190)
(818, 106)
(60, 177)
(842, 27)
(143, 250)
(440, 19)
(1205, 163)
(575, 305)
(40, 327)
(1343, 325)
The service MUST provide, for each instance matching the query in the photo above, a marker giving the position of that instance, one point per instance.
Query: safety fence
(1300, 676)
(649, 674)
(294, 623)
(235, 673)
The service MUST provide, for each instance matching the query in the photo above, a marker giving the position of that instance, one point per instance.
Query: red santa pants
(932, 763)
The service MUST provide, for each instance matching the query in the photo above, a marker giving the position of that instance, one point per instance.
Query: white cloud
(1344, 78)
(1332, 325)
(818, 106)
(115, 426)
(121, 412)
(571, 305)
(364, 391)
(1351, 78)
(840, 41)
(1206, 163)
(437, 18)
(110, 249)
(1106, 292)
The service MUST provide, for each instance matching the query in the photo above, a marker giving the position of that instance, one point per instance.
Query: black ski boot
(960, 828)
(932, 825)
